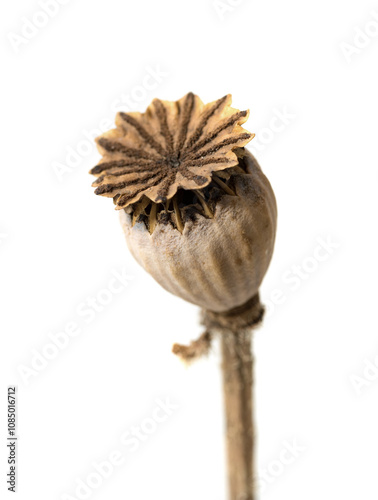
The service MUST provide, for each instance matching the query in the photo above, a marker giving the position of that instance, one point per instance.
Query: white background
(59, 245)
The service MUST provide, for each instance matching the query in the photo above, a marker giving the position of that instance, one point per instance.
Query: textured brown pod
(217, 263)
(197, 211)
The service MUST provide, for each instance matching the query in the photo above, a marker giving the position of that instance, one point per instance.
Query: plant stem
(237, 370)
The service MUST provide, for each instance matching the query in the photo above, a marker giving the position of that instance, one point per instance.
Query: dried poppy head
(198, 213)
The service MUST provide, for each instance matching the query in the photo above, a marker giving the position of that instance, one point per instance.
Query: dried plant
(200, 216)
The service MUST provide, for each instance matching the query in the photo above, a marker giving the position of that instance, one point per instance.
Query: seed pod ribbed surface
(217, 263)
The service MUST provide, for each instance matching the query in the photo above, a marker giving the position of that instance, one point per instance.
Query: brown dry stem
(235, 327)
(237, 370)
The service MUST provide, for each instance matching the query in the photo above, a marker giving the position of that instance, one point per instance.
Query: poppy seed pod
(197, 211)
(200, 216)
(216, 262)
